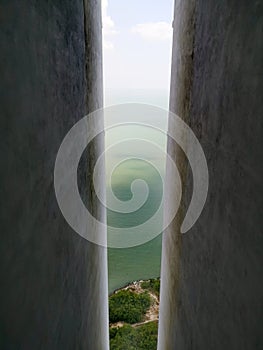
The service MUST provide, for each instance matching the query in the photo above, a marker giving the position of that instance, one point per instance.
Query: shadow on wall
(211, 290)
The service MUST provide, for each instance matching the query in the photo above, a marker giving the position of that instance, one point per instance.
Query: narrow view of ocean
(140, 262)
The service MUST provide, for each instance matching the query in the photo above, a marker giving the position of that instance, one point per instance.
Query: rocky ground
(152, 313)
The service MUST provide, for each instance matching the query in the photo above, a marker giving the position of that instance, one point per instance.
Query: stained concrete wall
(53, 282)
(211, 290)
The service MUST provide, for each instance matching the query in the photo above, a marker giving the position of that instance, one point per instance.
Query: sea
(131, 154)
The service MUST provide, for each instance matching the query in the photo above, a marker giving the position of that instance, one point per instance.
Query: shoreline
(152, 314)
(132, 283)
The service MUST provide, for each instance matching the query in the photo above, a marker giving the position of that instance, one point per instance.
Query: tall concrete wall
(211, 290)
(53, 282)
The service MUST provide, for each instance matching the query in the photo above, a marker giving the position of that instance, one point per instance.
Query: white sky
(137, 40)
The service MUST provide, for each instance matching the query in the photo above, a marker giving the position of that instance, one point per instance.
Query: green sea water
(143, 261)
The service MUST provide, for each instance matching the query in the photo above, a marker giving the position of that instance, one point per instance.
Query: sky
(137, 41)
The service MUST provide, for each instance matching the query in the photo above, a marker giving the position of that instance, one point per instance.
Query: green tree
(143, 337)
(128, 306)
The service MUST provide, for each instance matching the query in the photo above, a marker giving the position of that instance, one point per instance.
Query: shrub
(140, 338)
(128, 306)
(153, 285)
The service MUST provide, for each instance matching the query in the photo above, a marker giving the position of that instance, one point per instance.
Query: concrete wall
(53, 282)
(211, 293)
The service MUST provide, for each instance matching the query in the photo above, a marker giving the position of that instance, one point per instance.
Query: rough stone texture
(212, 278)
(53, 282)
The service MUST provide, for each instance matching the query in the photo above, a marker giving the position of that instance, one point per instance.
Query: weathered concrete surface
(53, 283)
(182, 67)
(211, 293)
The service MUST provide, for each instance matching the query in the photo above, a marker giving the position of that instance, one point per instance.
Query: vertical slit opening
(137, 44)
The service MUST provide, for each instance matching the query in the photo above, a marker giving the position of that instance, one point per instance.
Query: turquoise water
(143, 261)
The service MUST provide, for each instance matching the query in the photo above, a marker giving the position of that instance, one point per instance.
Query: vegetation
(152, 285)
(138, 338)
(128, 306)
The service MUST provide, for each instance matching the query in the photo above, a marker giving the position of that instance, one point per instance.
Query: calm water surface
(140, 262)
